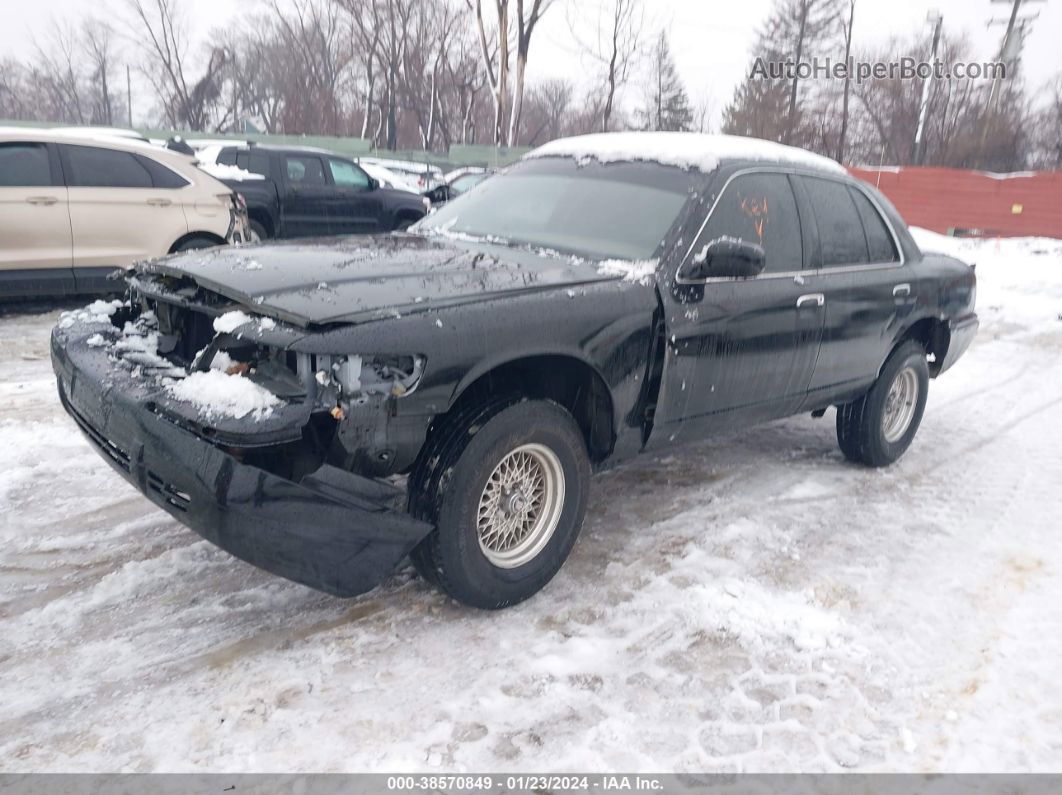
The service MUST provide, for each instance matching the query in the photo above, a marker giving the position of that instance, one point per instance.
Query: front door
(34, 217)
(357, 207)
(741, 350)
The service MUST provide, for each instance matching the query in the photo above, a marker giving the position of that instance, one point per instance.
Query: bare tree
(525, 27)
(548, 110)
(57, 74)
(494, 50)
(159, 27)
(366, 28)
(1048, 145)
(615, 47)
(312, 31)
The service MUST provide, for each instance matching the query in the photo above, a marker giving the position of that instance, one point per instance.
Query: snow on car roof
(685, 150)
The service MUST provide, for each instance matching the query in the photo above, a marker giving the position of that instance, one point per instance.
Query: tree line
(427, 74)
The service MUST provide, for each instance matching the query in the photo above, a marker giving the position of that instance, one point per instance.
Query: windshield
(613, 211)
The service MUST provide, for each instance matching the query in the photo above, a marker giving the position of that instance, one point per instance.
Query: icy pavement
(753, 603)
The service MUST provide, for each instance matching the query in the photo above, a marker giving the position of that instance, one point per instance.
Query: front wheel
(877, 429)
(506, 487)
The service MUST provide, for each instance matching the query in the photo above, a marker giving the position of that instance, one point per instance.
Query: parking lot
(752, 603)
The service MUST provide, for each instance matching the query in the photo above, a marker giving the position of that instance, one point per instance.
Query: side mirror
(726, 257)
(373, 184)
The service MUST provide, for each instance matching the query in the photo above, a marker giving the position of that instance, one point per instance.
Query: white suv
(74, 208)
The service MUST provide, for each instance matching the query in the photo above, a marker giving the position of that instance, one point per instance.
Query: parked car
(309, 192)
(388, 178)
(423, 176)
(452, 188)
(74, 209)
(606, 296)
(101, 132)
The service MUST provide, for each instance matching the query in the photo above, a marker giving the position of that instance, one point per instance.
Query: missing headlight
(361, 376)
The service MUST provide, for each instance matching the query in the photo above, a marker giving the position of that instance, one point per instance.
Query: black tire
(861, 425)
(403, 224)
(450, 477)
(193, 243)
(259, 230)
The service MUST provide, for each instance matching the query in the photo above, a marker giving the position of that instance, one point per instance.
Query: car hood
(353, 279)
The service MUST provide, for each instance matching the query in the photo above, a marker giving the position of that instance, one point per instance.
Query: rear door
(356, 207)
(741, 350)
(308, 196)
(858, 267)
(34, 218)
(117, 214)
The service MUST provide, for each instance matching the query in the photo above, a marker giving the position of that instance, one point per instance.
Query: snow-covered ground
(752, 603)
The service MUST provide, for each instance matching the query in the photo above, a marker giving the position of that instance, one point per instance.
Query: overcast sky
(711, 39)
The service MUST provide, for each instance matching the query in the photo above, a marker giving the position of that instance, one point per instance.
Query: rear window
(255, 162)
(92, 167)
(24, 165)
(879, 239)
(162, 177)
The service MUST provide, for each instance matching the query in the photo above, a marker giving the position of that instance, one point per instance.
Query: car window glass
(347, 175)
(305, 171)
(228, 157)
(24, 165)
(162, 177)
(840, 228)
(761, 209)
(255, 162)
(92, 167)
(465, 183)
(881, 246)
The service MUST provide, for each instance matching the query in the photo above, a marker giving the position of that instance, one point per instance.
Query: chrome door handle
(159, 202)
(901, 289)
(817, 299)
(42, 199)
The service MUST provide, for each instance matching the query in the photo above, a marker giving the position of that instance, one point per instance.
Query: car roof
(165, 156)
(698, 151)
(304, 150)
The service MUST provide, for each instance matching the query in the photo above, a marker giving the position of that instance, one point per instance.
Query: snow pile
(685, 150)
(222, 171)
(230, 321)
(641, 271)
(216, 394)
(96, 312)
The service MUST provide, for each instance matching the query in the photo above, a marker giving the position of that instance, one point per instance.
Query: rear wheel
(193, 243)
(257, 232)
(878, 428)
(506, 487)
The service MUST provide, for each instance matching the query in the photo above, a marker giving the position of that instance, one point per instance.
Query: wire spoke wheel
(520, 506)
(900, 405)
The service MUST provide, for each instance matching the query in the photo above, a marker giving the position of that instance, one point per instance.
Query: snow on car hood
(351, 279)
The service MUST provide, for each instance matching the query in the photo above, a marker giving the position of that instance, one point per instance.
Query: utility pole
(937, 18)
(1006, 48)
(847, 81)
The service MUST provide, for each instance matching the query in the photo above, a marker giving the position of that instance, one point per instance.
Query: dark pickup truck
(605, 296)
(310, 192)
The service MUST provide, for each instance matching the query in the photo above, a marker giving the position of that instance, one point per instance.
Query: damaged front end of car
(247, 429)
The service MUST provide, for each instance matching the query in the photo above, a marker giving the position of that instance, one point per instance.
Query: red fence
(949, 200)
